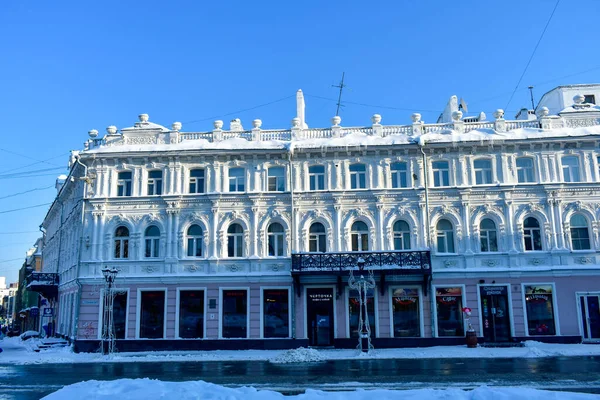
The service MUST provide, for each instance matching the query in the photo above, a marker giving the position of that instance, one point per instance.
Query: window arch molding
(308, 222)
(456, 224)
(394, 217)
(183, 235)
(349, 219)
(264, 233)
(567, 225)
(359, 227)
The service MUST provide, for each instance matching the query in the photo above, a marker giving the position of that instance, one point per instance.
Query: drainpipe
(292, 239)
(79, 287)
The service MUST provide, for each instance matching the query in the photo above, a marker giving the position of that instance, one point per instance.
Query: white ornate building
(244, 238)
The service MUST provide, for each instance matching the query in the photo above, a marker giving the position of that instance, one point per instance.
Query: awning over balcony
(45, 283)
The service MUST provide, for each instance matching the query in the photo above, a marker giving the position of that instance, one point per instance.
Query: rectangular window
(358, 176)
(235, 314)
(570, 166)
(197, 181)
(191, 314)
(151, 250)
(589, 98)
(119, 314)
(449, 311)
(237, 179)
(399, 175)
(124, 184)
(354, 312)
(276, 179)
(316, 177)
(155, 183)
(405, 312)
(441, 173)
(540, 310)
(483, 172)
(276, 313)
(152, 314)
(525, 170)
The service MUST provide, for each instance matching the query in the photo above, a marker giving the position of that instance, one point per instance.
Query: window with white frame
(124, 184)
(405, 312)
(445, 236)
(317, 238)
(191, 314)
(121, 242)
(235, 241)
(441, 173)
(276, 313)
(488, 236)
(195, 238)
(360, 236)
(399, 172)
(525, 170)
(152, 237)
(532, 234)
(235, 314)
(197, 181)
(276, 240)
(354, 312)
(448, 301)
(316, 177)
(580, 234)
(155, 183)
(276, 180)
(483, 171)
(570, 168)
(401, 235)
(540, 310)
(152, 314)
(237, 179)
(358, 176)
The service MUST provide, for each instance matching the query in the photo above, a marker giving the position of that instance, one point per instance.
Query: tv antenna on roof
(341, 86)
(531, 94)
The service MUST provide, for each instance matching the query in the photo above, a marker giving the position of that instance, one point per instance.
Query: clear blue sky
(71, 66)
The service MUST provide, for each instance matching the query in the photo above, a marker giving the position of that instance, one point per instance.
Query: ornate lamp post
(108, 329)
(362, 286)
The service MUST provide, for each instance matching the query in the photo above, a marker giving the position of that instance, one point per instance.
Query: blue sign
(48, 312)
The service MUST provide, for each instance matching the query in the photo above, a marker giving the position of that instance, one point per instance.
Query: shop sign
(494, 290)
(320, 297)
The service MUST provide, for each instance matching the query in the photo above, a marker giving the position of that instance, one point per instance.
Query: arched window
(488, 236)
(580, 235)
(532, 235)
(401, 235)
(235, 241)
(317, 238)
(445, 236)
(276, 239)
(122, 242)
(194, 241)
(360, 236)
(152, 241)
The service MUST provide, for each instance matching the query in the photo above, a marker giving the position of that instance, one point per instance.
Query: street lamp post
(362, 286)
(108, 329)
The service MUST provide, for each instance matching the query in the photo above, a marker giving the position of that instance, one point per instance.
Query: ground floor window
(191, 314)
(540, 310)
(354, 312)
(405, 312)
(120, 314)
(235, 314)
(275, 313)
(152, 314)
(449, 311)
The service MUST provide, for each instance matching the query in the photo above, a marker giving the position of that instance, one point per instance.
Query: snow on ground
(148, 389)
(300, 354)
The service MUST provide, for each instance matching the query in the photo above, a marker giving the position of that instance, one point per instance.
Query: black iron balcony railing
(45, 283)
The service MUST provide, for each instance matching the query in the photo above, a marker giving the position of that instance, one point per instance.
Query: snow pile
(148, 389)
(298, 355)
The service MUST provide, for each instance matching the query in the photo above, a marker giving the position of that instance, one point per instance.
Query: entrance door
(319, 310)
(495, 313)
(590, 316)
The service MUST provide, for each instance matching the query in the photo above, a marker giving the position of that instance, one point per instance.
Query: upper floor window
(276, 240)
(445, 236)
(532, 234)
(525, 169)
(316, 177)
(121, 242)
(197, 183)
(235, 241)
(360, 236)
(441, 173)
(317, 238)
(237, 179)
(401, 235)
(570, 167)
(483, 171)
(589, 98)
(194, 241)
(155, 183)
(358, 176)
(399, 174)
(276, 179)
(488, 236)
(580, 235)
(152, 236)
(124, 184)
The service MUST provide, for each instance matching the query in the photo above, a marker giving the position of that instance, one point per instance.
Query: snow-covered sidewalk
(16, 351)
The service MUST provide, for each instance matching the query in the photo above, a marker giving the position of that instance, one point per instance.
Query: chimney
(60, 181)
(300, 109)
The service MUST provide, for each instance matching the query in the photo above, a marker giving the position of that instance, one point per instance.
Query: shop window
(119, 314)
(488, 235)
(124, 184)
(235, 241)
(445, 236)
(449, 311)
(152, 314)
(152, 236)
(276, 313)
(401, 235)
(441, 173)
(197, 182)
(405, 312)
(191, 314)
(354, 312)
(276, 181)
(317, 238)
(121, 242)
(540, 310)
(399, 174)
(580, 235)
(155, 183)
(316, 177)
(276, 240)
(195, 237)
(525, 170)
(358, 176)
(532, 234)
(235, 314)
(483, 171)
(360, 236)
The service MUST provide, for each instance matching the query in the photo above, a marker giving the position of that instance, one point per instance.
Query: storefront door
(495, 313)
(319, 310)
(590, 316)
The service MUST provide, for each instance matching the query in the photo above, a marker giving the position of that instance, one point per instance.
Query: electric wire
(28, 173)
(24, 208)
(25, 192)
(30, 158)
(35, 163)
(21, 232)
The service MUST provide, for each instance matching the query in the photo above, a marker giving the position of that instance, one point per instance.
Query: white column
(337, 229)
(380, 228)
(467, 228)
(213, 231)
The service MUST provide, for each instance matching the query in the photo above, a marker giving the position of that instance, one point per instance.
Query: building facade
(245, 238)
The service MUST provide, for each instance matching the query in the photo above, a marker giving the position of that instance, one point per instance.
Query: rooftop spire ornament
(362, 286)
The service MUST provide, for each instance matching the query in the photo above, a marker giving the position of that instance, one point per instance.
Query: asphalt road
(557, 373)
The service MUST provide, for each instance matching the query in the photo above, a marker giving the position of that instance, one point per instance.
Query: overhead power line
(25, 192)
(28, 173)
(25, 156)
(14, 259)
(24, 208)
(35, 163)
(15, 233)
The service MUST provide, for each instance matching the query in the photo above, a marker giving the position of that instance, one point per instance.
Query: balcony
(44, 283)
